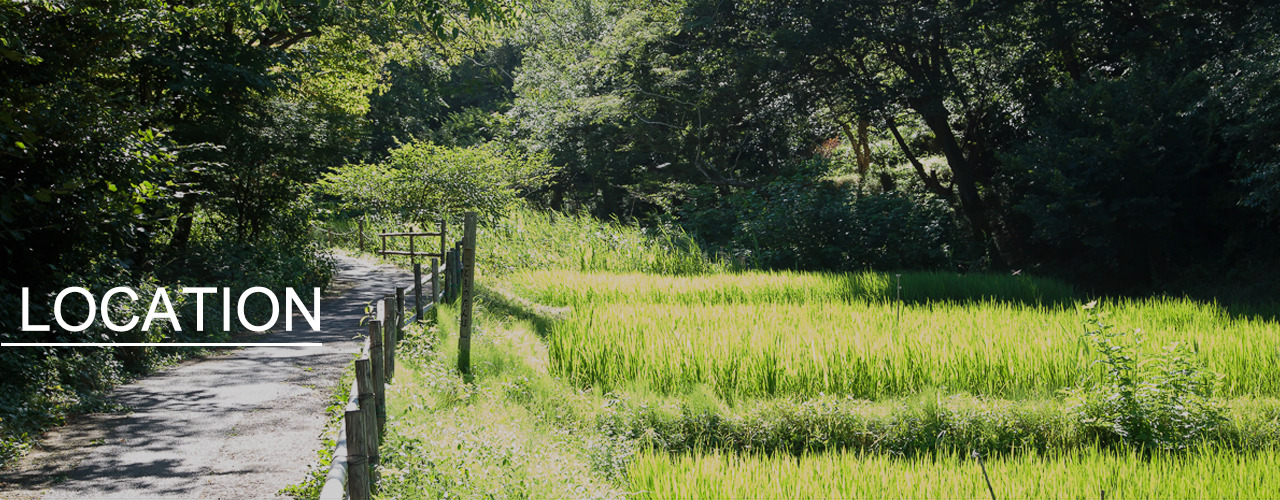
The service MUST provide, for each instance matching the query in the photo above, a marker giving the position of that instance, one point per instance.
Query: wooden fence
(358, 234)
(364, 421)
(413, 252)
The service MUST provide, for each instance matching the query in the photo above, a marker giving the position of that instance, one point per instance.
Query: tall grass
(807, 335)
(1067, 474)
(528, 239)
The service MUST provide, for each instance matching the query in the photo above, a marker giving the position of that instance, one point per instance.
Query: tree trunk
(963, 174)
(864, 147)
(182, 233)
(861, 146)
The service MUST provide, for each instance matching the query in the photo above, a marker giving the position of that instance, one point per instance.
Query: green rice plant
(1087, 473)
(805, 336)
(572, 288)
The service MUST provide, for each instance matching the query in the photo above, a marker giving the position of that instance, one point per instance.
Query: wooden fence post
(379, 375)
(457, 282)
(400, 315)
(417, 293)
(457, 271)
(468, 277)
(449, 266)
(442, 238)
(435, 280)
(368, 409)
(391, 331)
(357, 461)
(361, 226)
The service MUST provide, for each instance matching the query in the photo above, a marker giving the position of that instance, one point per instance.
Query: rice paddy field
(707, 383)
(874, 340)
(799, 334)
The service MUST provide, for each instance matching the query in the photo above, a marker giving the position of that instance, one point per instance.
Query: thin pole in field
(990, 490)
(899, 298)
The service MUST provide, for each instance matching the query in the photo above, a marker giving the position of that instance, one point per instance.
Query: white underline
(159, 344)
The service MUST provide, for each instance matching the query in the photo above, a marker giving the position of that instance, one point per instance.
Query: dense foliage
(149, 144)
(1124, 146)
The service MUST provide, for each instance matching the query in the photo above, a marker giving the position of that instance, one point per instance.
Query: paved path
(242, 424)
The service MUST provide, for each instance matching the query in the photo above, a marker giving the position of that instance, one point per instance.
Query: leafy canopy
(422, 182)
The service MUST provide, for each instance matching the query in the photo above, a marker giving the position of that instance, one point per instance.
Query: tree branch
(930, 179)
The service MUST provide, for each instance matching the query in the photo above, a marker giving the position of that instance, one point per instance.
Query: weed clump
(1165, 402)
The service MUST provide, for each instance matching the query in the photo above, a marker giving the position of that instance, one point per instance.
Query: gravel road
(240, 424)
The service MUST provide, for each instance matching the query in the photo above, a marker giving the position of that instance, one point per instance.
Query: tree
(423, 182)
(643, 102)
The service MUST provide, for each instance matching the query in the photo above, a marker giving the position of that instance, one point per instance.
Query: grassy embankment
(595, 383)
